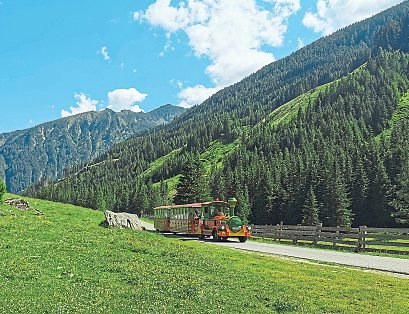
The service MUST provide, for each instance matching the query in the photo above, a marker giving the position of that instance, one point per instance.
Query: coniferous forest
(321, 136)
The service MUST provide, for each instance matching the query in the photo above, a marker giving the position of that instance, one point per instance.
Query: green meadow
(67, 262)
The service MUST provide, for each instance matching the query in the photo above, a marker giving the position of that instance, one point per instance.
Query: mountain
(44, 151)
(325, 127)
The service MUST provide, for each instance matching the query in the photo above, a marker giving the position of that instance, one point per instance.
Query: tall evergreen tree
(310, 211)
(192, 185)
(401, 202)
(2, 189)
(101, 202)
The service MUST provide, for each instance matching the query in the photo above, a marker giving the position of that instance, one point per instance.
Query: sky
(60, 58)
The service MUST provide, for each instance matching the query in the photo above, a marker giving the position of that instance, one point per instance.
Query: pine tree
(2, 189)
(401, 202)
(341, 204)
(310, 209)
(192, 187)
(102, 205)
(336, 202)
(244, 206)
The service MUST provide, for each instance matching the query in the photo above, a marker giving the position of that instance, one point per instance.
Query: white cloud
(195, 95)
(136, 16)
(301, 43)
(105, 53)
(84, 104)
(125, 99)
(332, 15)
(231, 33)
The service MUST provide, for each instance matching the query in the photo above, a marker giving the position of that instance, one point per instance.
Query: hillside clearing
(66, 262)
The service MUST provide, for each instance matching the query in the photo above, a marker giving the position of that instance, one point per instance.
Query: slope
(66, 262)
(341, 141)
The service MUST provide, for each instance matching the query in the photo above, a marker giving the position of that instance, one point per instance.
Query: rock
(38, 212)
(22, 205)
(18, 203)
(123, 220)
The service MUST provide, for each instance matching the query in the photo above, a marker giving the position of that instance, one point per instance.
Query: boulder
(123, 220)
(18, 203)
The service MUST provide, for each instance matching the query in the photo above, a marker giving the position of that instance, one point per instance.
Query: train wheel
(242, 239)
(202, 237)
(215, 236)
(224, 239)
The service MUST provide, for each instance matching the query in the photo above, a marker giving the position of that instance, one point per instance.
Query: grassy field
(65, 262)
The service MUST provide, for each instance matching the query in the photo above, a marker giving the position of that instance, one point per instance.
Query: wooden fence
(392, 240)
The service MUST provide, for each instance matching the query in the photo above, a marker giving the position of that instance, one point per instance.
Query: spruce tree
(192, 185)
(401, 202)
(341, 203)
(310, 209)
(2, 189)
(102, 205)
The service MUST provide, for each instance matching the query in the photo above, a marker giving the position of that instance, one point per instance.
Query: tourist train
(215, 219)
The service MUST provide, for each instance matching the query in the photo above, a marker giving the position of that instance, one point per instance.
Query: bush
(2, 189)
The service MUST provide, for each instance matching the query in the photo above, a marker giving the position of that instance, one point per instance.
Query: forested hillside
(44, 151)
(293, 150)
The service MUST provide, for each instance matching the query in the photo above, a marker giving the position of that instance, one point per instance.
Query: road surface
(379, 263)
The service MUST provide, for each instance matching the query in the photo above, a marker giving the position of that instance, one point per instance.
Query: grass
(64, 262)
(159, 163)
(213, 156)
(148, 220)
(401, 112)
(215, 153)
(287, 112)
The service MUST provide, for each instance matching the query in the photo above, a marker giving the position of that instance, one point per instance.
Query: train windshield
(220, 209)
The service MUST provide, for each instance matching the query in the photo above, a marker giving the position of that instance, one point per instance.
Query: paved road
(148, 226)
(381, 263)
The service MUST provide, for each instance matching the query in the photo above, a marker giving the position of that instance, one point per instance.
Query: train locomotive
(216, 219)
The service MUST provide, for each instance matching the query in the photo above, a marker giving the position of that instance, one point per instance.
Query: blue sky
(59, 58)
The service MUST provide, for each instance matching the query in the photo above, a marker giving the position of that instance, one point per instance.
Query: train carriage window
(206, 212)
(211, 211)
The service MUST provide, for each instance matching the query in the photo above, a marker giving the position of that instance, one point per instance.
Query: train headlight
(222, 228)
(249, 228)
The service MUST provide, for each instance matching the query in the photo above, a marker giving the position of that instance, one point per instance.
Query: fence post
(334, 242)
(280, 231)
(274, 232)
(317, 234)
(362, 238)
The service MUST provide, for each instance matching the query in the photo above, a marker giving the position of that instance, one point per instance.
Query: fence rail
(391, 240)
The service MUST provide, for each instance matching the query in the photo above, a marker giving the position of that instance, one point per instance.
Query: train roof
(194, 205)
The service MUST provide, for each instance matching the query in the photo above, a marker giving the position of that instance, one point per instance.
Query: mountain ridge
(44, 151)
